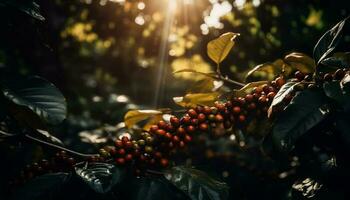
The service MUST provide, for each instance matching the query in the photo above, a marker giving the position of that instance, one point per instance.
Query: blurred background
(108, 56)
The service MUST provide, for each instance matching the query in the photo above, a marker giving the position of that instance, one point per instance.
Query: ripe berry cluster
(154, 149)
(61, 162)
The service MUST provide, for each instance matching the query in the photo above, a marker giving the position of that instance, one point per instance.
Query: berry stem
(59, 147)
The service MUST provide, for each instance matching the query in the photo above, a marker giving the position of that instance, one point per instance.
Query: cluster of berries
(61, 162)
(154, 149)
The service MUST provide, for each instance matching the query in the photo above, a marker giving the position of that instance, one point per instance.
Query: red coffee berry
(280, 81)
(262, 99)
(125, 139)
(241, 100)
(219, 118)
(249, 97)
(162, 124)
(201, 117)
(192, 113)
(241, 118)
(181, 131)
(203, 126)
(153, 128)
(168, 135)
(176, 139)
(194, 122)
(186, 120)
(121, 151)
(299, 75)
(164, 162)
(265, 88)
(258, 90)
(221, 107)
(236, 110)
(160, 132)
(128, 145)
(206, 110)
(182, 144)
(174, 121)
(191, 129)
(120, 161)
(271, 95)
(158, 154)
(128, 157)
(252, 106)
(187, 138)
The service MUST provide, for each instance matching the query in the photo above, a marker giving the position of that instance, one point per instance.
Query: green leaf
(307, 109)
(196, 184)
(101, 177)
(43, 187)
(329, 41)
(338, 60)
(38, 95)
(192, 100)
(29, 7)
(269, 70)
(281, 94)
(333, 90)
(248, 88)
(219, 48)
(150, 188)
(300, 61)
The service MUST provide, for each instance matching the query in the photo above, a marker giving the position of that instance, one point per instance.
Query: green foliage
(306, 110)
(101, 177)
(38, 95)
(43, 187)
(196, 184)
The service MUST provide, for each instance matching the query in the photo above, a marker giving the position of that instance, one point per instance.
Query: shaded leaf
(197, 184)
(306, 110)
(333, 90)
(328, 42)
(336, 61)
(281, 94)
(219, 48)
(43, 187)
(269, 70)
(101, 177)
(29, 7)
(38, 95)
(192, 100)
(150, 188)
(300, 61)
(248, 88)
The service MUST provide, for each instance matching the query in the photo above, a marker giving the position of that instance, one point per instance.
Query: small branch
(59, 147)
(226, 79)
(155, 172)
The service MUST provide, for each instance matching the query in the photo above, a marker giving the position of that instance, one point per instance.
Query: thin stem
(7, 134)
(226, 79)
(59, 147)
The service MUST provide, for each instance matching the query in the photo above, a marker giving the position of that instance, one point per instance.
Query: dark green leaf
(333, 90)
(43, 187)
(29, 7)
(282, 93)
(307, 109)
(150, 188)
(38, 95)
(196, 184)
(101, 177)
(328, 42)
